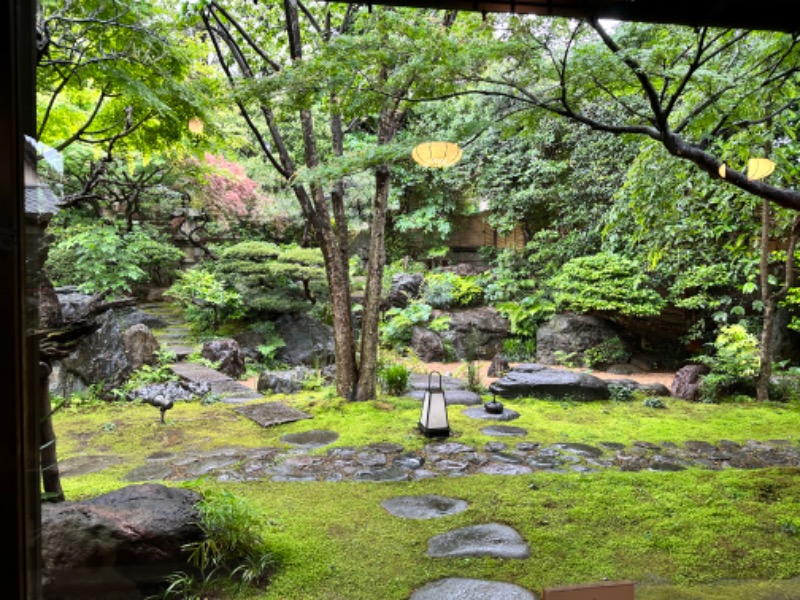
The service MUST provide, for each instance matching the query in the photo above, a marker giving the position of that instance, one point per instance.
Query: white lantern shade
(433, 419)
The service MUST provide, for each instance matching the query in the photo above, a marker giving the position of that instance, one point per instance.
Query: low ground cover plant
(673, 533)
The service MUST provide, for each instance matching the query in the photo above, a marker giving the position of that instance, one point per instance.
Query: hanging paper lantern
(195, 126)
(758, 168)
(437, 155)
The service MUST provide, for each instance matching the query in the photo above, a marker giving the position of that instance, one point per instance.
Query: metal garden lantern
(433, 420)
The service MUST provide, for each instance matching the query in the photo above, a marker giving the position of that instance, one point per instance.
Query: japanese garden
(343, 301)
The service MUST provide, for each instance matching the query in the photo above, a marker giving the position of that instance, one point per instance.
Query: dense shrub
(395, 379)
(604, 283)
(207, 301)
(448, 290)
(273, 279)
(734, 364)
(99, 257)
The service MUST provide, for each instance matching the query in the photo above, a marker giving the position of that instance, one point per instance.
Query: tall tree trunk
(316, 212)
(387, 127)
(51, 477)
(372, 297)
(771, 299)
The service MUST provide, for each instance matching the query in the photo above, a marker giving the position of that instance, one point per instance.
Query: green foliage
(568, 359)
(736, 352)
(273, 279)
(396, 329)
(272, 341)
(620, 393)
(606, 353)
(519, 349)
(395, 379)
(474, 383)
(99, 257)
(233, 546)
(654, 402)
(604, 283)
(448, 290)
(527, 314)
(205, 298)
(735, 363)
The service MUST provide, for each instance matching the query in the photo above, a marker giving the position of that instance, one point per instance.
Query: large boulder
(405, 287)
(283, 382)
(98, 358)
(570, 334)
(538, 381)
(249, 341)
(308, 341)
(119, 545)
(226, 355)
(687, 381)
(427, 345)
(141, 346)
(476, 333)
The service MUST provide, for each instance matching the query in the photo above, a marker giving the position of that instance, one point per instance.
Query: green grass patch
(693, 534)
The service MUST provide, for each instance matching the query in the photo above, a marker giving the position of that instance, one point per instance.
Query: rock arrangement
(534, 380)
(392, 462)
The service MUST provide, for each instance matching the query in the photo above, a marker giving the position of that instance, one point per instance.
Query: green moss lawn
(687, 535)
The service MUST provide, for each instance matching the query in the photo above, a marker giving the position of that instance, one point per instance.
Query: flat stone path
(392, 462)
(224, 386)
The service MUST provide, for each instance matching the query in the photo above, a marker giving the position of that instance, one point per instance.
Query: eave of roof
(769, 15)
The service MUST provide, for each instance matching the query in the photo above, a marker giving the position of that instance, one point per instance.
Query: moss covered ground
(694, 534)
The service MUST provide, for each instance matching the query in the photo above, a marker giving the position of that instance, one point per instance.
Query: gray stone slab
(419, 381)
(149, 472)
(580, 449)
(313, 438)
(492, 539)
(83, 465)
(477, 412)
(393, 473)
(233, 391)
(427, 506)
(504, 431)
(505, 469)
(198, 372)
(459, 588)
(268, 414)
(453, 397)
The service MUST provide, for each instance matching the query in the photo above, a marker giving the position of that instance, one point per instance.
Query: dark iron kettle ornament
(494, 407)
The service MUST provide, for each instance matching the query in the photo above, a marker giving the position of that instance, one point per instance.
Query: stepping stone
(314, 438)
(480, 413)
(428, 506)
(504, 430)
(393, 473)
(448, 448)
(268, 414)
(493, 539)
(233, 391)
(453, 397)
(198, 373)
(505, 469)
(150, 472)
(580, 449)
(82, 465)
(459, 588)
(419, 381)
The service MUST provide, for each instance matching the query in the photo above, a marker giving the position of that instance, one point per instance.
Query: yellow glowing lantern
(195, 126)
(437, 155)
(758, 168)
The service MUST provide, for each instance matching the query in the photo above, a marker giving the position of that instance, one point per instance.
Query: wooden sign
(610, 590)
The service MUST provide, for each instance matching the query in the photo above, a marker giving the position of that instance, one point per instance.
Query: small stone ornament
(494, 407)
